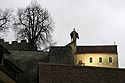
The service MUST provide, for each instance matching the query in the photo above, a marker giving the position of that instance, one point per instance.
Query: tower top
(74, 35)
(74, 29)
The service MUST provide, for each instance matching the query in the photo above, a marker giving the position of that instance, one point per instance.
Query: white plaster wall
(95, 56)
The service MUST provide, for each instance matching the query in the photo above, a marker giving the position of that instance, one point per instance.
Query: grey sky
(97, 21)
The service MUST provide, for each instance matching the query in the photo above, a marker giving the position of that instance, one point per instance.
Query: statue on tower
(74, 35)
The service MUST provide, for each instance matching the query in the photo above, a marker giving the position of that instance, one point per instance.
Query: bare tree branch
(35, 25)
(5, 20)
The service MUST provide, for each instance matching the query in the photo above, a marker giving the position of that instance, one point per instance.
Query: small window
(110, 60)
(90, 60)
(100, 59)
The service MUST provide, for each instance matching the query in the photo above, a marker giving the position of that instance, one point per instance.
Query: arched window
(90, 60)
(100, 59)
(110, 60)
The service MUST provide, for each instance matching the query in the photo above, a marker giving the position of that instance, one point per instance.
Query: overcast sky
(97, 21)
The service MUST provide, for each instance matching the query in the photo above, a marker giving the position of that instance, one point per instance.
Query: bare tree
(5, 19)
(34, 24)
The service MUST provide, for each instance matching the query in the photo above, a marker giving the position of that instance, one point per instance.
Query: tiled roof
(4, 70)
(53, 73)
(92, 49)
(4, 50)
(97, 49)
(10, 69)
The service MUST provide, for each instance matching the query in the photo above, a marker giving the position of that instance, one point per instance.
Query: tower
(74, 35)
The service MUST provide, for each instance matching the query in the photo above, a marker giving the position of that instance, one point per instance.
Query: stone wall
(23, 45)
(27, 62)
(61, 55)
(51, 73)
